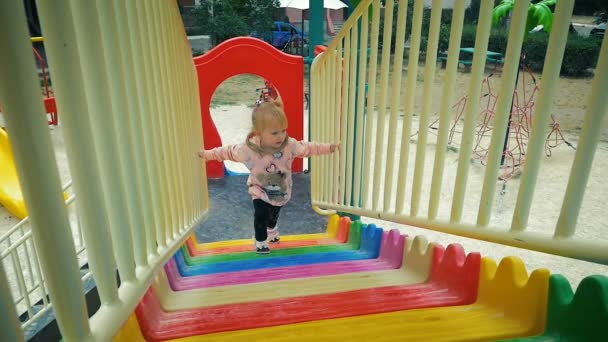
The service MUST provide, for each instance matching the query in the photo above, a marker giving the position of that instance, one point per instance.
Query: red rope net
(520, 124)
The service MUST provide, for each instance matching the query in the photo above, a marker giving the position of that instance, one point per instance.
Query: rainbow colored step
(410, 289)
(391, 257)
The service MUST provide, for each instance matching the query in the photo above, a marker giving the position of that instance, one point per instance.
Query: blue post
(315, 27)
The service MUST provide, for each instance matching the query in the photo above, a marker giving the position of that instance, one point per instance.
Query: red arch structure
(245, 55)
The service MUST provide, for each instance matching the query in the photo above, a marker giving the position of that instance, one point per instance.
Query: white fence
(380, 173)
(127, 94)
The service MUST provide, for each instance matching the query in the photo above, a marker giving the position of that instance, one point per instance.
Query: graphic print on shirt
(274, 182)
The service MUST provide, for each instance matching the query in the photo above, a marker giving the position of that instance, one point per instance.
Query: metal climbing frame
(380, 173)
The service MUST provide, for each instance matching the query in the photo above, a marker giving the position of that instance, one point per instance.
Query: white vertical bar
(371, 98)
(585, 151)
(329, 104)
(337, 117)
(39, 277)
(193, 106)
(161, 112)
(120, 116)
(94, 67)
(160, 148)
(329, 119)
(503, 108)
(352, 87)
(471, 114)
(134, 110)
(344, 117)
(168, 120)
(21, 279)
(384, 69)
(445, 116)
(408, 106)
(184, 162)
(184, 157)
(395, 101)
(360, 109)
(172, 86)
(28, 258)
(322, 120)
(550, 77)
(320, 117)
(11, 329)
(140, 63)
(314, 128)
(328, 125)
(324, 123)
(182, 148)
(427, 89)
(32, 149)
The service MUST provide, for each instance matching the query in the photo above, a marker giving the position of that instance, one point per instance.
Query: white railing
(127, 91)
(380, 173)
(22, 266)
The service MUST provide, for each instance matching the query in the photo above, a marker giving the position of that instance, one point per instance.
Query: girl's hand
(201, 154)
(334, 147)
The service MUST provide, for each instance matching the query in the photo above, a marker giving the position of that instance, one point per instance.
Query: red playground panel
(245, 55)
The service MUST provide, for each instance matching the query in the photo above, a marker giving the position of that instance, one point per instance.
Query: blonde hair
(262, 117)
(267, 113)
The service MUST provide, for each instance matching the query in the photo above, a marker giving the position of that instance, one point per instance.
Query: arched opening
(245, 55)
(231, 107)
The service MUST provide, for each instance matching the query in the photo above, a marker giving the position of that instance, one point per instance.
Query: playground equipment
(49, 98)
(267, 93)
(356, 281)
(250, 56)
(520, 125)
(10, 191)
(11, 196)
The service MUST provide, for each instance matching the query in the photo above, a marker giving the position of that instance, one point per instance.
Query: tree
(233, 18)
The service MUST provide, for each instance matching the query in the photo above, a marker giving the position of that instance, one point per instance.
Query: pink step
(391, 257)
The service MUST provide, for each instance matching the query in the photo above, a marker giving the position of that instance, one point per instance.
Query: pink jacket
(270, 178)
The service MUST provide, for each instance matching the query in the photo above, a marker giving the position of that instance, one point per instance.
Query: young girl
(268, 153)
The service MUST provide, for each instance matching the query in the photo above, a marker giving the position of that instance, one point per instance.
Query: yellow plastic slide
(10, 191)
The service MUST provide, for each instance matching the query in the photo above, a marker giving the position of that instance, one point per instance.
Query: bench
(466, 58)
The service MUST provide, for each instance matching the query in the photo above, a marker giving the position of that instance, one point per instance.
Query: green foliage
(535, 50)
(444, 37)
(258, 14)
(446, 15)
(426, 19)
(580, 55)
(592, 7)
(468, 36)
(233, 18)
(498, 40)
(471, 14)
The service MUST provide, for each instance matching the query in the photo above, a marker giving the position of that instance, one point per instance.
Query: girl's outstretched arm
(306, 149)
(235, 153)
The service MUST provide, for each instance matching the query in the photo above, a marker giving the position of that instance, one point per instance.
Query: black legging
(265, 216)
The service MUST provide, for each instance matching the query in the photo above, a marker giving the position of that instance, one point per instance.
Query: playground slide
(10, 191)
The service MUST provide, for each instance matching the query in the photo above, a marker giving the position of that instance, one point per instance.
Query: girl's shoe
(273, 235)
(261, 247)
